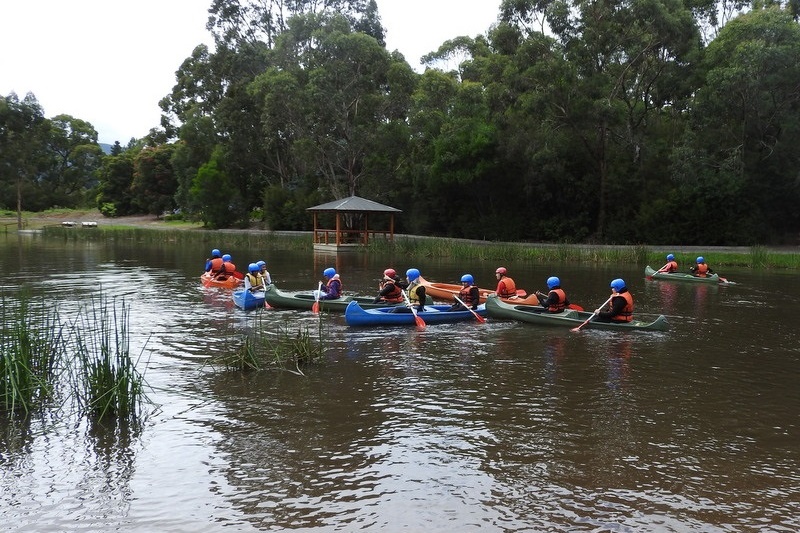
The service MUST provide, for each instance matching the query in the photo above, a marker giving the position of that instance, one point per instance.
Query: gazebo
(351, 223)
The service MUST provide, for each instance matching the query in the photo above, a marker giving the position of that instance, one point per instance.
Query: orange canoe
(225, 282)
(446, 291)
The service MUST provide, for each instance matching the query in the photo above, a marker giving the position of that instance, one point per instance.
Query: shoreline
(34, 222)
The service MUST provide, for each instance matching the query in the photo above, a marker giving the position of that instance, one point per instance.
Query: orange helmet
(389, 273)
(501, 270)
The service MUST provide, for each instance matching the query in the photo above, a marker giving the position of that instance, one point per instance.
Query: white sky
(109, 62)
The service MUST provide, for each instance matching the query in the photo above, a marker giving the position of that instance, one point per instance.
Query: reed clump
(283, 347)
(108, 383)
(31, 353)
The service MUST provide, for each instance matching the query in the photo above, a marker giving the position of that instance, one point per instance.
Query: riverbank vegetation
(49, 363)
(591, 123)
(408, 246)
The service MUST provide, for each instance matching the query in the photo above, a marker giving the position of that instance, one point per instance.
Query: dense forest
(623, 121)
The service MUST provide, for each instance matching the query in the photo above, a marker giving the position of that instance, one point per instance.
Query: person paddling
(620, 306)
(555, 301)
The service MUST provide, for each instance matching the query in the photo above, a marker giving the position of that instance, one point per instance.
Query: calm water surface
(500, 426)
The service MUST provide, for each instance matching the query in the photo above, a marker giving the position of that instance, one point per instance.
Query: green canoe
(712, 279)
(305, 300)
(497, 308)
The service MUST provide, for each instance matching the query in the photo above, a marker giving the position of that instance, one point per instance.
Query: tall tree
(740, 158)
(22, 133)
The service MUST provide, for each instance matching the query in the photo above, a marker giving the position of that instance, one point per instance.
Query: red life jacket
(395, 295)
(506, 287)
(561, 304)
(465, 294)
(672, 266)
(216, 264)
(701, 270)
(627, 312)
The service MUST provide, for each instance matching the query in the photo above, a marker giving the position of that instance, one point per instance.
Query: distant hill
(106, 147)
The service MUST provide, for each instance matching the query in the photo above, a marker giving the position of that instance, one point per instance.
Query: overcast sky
(109, 62)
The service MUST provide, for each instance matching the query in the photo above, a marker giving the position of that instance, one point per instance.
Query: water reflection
(499, 426)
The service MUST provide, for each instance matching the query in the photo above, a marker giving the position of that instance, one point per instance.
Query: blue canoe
(355, 315)
(248, 300)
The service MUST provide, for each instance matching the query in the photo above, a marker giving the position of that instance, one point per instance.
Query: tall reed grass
(31, 350)
(108, 383)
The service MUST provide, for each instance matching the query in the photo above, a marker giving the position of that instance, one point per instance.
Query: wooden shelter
(350, 220)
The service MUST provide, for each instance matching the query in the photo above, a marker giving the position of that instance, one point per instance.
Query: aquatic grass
(31, 345)
(282, 347)
(108, 383)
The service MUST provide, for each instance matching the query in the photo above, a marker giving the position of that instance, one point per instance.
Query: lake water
(500, 426)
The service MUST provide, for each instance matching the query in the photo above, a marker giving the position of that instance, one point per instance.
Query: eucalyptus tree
(626, 66)
(738, 164)
(75, 158)
(328, 105)
(23, 130)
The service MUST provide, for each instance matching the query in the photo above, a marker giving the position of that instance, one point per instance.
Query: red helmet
(501, 270)
(390, 273)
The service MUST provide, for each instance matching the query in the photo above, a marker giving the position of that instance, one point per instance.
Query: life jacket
(465, 294)
(395, 295)
(255, 281)
(627, 312)
(412, 293)
(672, 266)
(229, 268)
(506, 287)
(701, 270)
(334, 286)
(560, 305)
(215, 264)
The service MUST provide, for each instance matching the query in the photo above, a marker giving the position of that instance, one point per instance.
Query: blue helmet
(700, 260)
(226, 258)
(215, 253)
(618, 284)
(261, 264)
(329, 272)
(412, 274)
(670, 257)
(252, 267)
(467, 278)
(553, 282)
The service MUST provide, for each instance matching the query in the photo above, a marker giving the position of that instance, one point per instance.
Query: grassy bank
(409, 246)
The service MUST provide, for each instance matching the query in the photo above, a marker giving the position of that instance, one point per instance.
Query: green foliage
(110, 386)
(31, 350)
(213, 196)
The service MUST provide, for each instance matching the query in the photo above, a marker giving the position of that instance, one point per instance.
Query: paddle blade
(315, 307)
(575, 307)
(206, 282)
(419, 322)
(479, 318)
(238, 275)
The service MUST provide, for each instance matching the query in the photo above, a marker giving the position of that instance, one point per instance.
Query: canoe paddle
(593, 315)
(660, 270)
(417, 319)
(477, 316)
(315, 307)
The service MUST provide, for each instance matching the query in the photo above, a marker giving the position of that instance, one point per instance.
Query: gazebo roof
(355, 204)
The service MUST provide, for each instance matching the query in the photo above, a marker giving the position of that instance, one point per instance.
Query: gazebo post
(391, 228)
(366, 229)
(338, 229)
